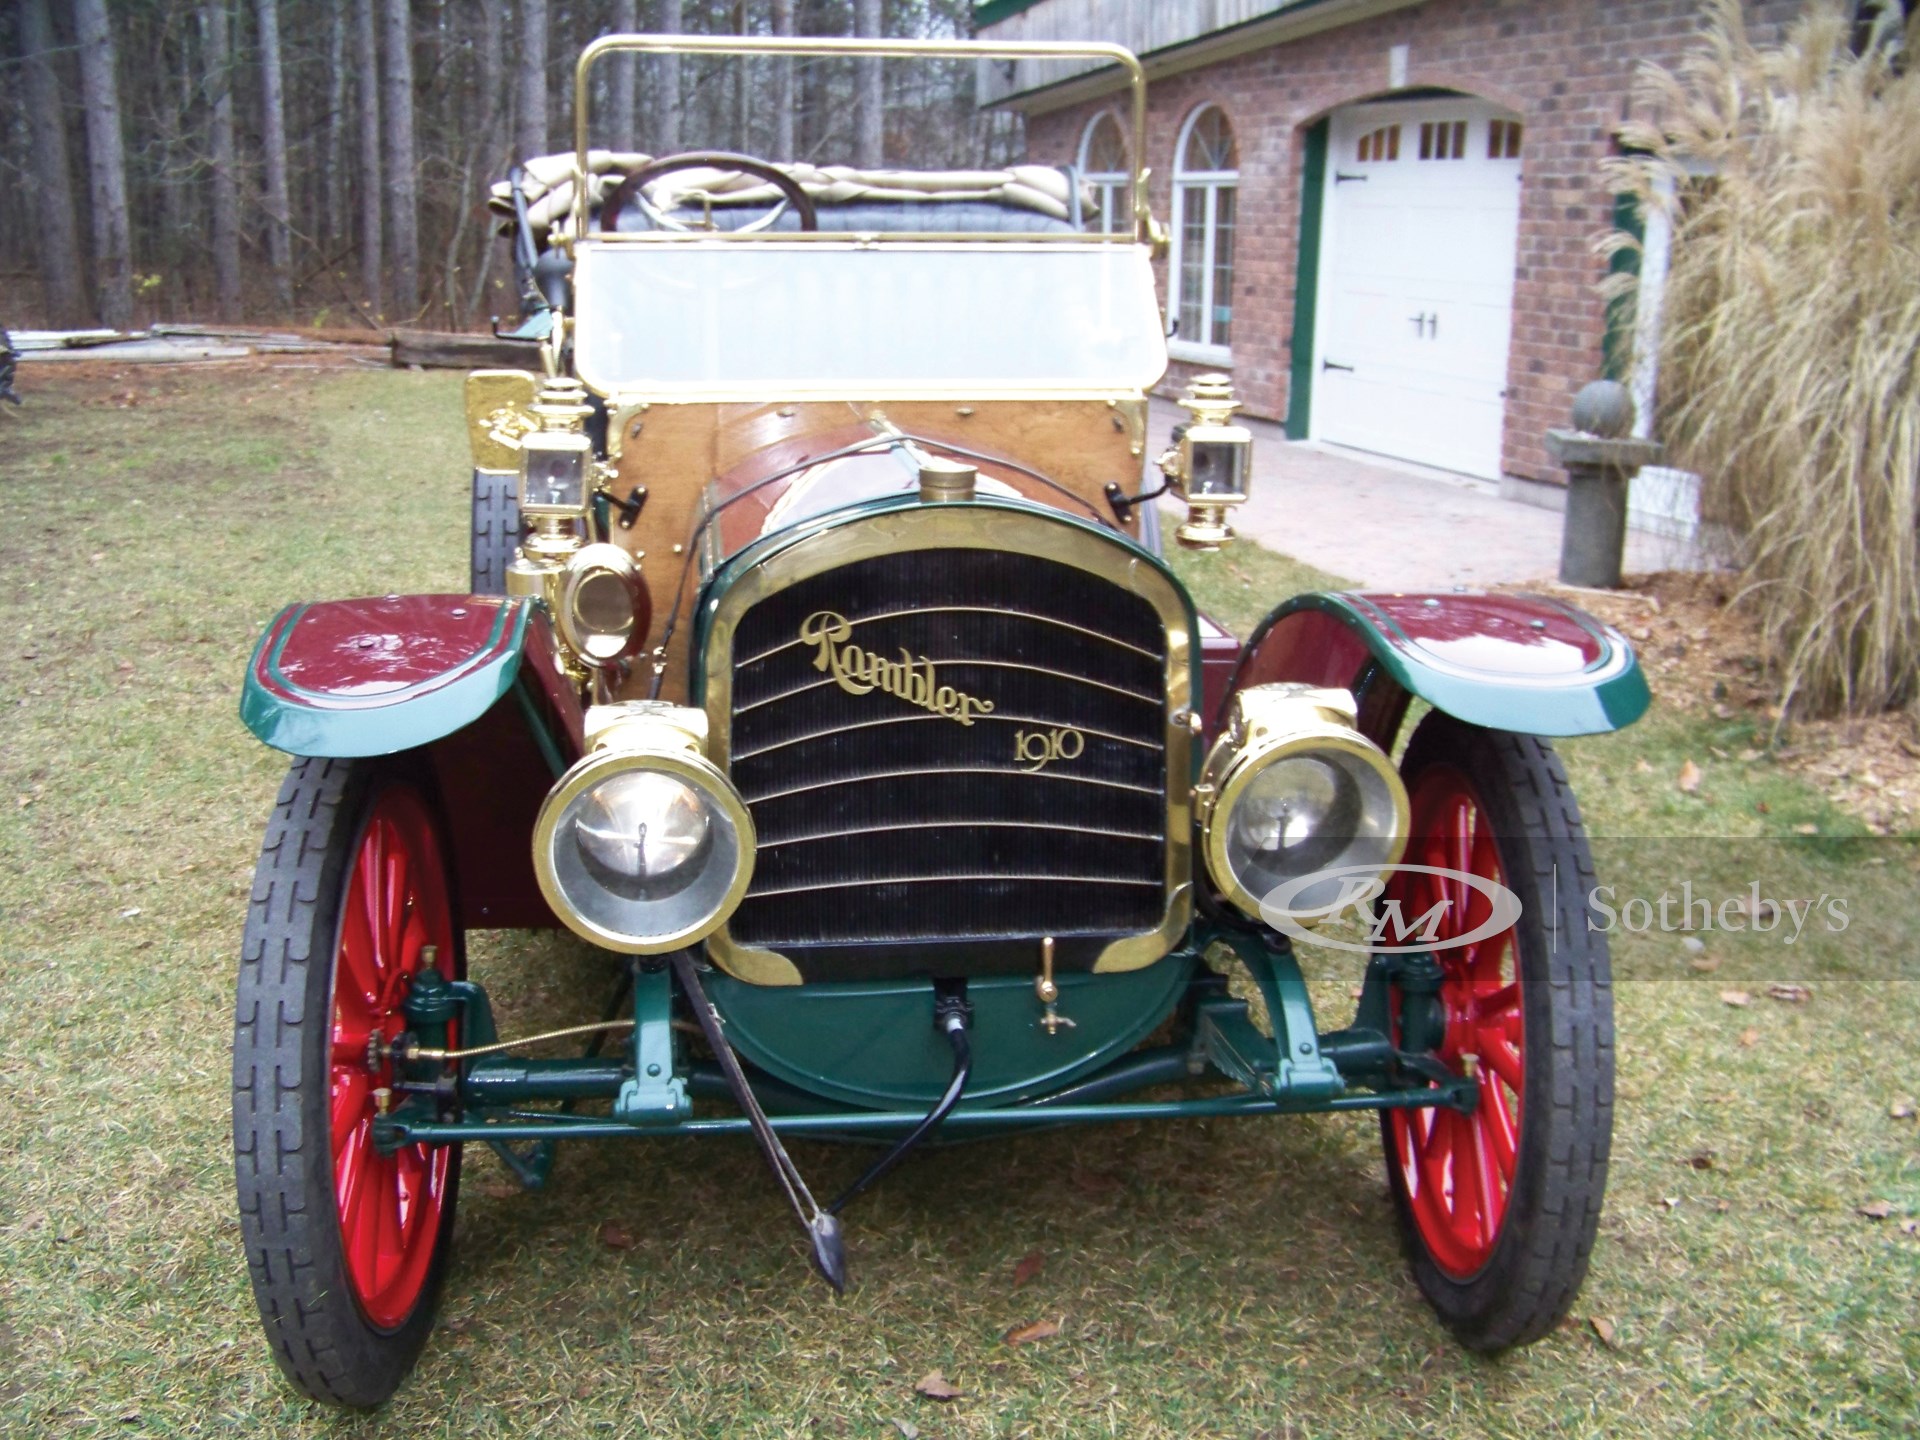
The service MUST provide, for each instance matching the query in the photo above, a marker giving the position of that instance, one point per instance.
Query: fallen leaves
(1739, 999)
(1701, 1160)
(908, 1430)
(1749, 1037)
(1901, 1109)
(1033, 1331)
(1027, 1267)
(1875, 1209)
(615, 1237)
(1603, 1329)
(1690, 778)
(1790, 994)
(935, 1386)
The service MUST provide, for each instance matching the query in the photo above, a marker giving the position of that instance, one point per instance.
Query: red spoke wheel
(1499, 1207)
(347, 1246)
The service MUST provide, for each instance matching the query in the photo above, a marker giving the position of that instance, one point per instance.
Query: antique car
(823, 670)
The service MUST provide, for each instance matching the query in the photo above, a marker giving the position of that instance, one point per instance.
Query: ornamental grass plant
(1789, 334)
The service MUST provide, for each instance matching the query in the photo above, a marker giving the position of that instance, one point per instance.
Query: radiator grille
(893, 839)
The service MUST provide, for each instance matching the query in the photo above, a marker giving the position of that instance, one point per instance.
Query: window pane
(1223, 206)
(1193, 263)
(1381, 144)
(1107, 148)
(1210, 143)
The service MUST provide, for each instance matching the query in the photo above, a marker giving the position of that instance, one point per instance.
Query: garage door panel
(1415, 290)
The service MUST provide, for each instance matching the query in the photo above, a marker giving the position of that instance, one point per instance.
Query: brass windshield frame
(746, 46)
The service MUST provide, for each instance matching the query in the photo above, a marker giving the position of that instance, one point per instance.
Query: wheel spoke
(1434, 1155)
(351, 1161)
(1495, 1114)
(1468, 1203)
(1499, 1052)
(349, 1106)
(1490, 1004)
(359, 963)
(1485, 1182)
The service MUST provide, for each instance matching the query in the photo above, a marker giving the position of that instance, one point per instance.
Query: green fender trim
(1522, 663)
(349, 678)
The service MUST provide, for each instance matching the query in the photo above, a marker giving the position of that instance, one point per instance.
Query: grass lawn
(1226, 1278)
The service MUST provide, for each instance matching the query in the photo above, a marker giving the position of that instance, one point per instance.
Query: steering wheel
(633, 189)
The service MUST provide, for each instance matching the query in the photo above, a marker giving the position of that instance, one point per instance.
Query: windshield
(724, 319)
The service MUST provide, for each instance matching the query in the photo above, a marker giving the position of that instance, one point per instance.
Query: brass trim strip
(979, 525)
(1153, 700)
(951, 770)
(960, 825)
(745, 45)
(967, 610)
(941, 879)
(981, 720)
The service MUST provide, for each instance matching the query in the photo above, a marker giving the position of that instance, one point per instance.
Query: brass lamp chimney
(1210, 464)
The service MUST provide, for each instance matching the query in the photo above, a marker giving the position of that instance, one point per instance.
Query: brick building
(1386, 209)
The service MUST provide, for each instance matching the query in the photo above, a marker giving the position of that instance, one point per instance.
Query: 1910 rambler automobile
(823, 670)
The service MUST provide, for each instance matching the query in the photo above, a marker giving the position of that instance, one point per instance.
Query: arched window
(1206, 179)
(1105, 167)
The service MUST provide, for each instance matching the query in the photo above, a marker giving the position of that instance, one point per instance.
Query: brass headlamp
(644, 845)
(1211, 467)
(1295, 801)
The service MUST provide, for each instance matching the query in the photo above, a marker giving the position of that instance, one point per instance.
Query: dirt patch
(179, 376)
(1704, 658)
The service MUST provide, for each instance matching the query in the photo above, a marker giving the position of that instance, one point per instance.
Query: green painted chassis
(1216, 1048)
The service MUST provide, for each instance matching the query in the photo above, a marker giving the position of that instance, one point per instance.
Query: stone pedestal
(1600, 457)
(1594, 539)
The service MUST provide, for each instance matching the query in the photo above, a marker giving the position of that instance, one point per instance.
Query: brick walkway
(1388, 525)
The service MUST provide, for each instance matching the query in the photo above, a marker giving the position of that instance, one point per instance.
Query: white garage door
(1416, 281)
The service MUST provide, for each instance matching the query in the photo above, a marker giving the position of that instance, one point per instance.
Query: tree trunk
(106, 165)
(218, 47)
(402, 195)
(494, 148)
(366, 64)
(666, 110)
(333, 174)
(869, 134)
(620, 101)
(744, 69)
(273, 140)
(56, 232)
(783, 85)
(531, 137)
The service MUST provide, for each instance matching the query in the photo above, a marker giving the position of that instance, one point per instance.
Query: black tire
(1540, 1250)
(496, 531)
(320, 1332)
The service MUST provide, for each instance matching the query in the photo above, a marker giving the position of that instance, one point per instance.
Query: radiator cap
(942, 479)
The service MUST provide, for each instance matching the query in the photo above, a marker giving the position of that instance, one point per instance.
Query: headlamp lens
(643, 834)
(1309, 811)
(646, 859)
